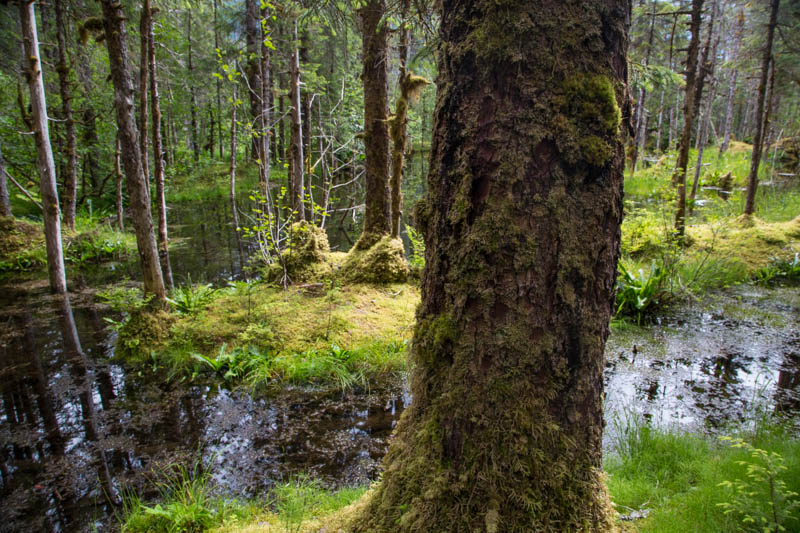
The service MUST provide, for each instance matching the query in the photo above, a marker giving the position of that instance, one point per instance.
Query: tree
(131, 157)
(374, 48)
(522, 227)
(45, 162)
(761, 120)
(296, 148)
(71, 178)
(5, 200)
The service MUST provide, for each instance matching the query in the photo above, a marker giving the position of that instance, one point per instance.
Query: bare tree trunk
(253, 36)
(398, 128)
(263, 105)
(640, 133)
(118, 182)
(71, 178)
(505, 429)
(218, 81)
(144, 35)
(45, 163)
(5, 199)
(690, 94)
(660, 121)
(158, 150)
(737, 41)
(374, 38)
(195, 133)
(119, 63)
(762, 119)
(232, 188)
(296, 151)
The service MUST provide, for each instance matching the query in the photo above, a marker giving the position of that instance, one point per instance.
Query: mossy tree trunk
(71, 177)
(399, 127)
(761, 117)
(690, 94)
(131, 157)
(44, 160)
(522, 227)
(374, 50)
(296, 148)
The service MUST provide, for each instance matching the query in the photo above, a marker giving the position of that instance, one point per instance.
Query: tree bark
(158, 149)
(375, 44)
(232, 188)
(522, 232)
(761, 117)
(252, 32)
(118, 183)
(195, 133)
(139, 208)
(218, 81)
(5, 199)
(144, 34)
(71, 178)
(690, 93)
(263, 103)
(44, 160)
(737, 42)
(296, 148)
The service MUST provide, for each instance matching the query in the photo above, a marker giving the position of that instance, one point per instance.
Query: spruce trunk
(44, 152)
(131, 157)
(522, 229)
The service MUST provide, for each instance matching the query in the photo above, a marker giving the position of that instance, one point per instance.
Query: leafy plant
(640, 293)
(779, 269)
(191, 298)
(125, 299)
(417, 259)
(761, 500)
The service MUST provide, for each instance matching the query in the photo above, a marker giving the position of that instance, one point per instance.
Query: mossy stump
(383, 261)
(304, 256)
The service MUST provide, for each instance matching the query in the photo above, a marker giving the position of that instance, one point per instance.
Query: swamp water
(77, 428)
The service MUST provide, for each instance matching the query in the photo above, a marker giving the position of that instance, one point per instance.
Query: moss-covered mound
(143, 332)
(21, 244)
(383, 262)
(305, 256)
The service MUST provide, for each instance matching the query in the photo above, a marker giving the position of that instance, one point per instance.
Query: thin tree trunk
(234, 211)
(737, 41)
(5, 199)
(195, 133)
(660, 121)
(118, 182)
(45, 163)
(374, 38)
(218, 81)
(71, 177)
(263, 105)
(762, 118)
(398, 129)
(297, 188)
(253, 37)
(521, 226)
(640, 137)
(119, 63)
(306, 113)
(691, 92)
(144, 35)
(158, 150)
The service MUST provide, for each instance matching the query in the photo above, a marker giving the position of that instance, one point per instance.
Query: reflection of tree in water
(787, 395)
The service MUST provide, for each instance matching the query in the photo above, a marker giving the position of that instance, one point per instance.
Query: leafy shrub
(787, 269)
(638, 295)
(417, 259)
(192, 298)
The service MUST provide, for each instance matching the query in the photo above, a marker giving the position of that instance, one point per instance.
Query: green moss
(594, 117)
(143, 332)
(21, 245)
(305, 255)
(383, 262)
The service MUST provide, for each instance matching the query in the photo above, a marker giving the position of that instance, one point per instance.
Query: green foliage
(190, 299)
(639, 294)
(302, 497)
(762, 499)
(417, 259)
(784, 269)
(124, 299)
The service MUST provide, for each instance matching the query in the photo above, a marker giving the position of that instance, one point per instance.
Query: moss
(383, 262)
(145, 331)
(590, 104)
(21, 244)
(305, 255)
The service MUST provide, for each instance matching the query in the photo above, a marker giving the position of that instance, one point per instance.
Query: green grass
(680, 478)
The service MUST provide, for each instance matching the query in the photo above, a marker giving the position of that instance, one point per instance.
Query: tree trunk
(119, 63)
(737, 41)
(761, 119)
(144, 35)
(660, 121)
(263, 105)
(44, 161)
(234, 211)
(374, 38)
(398, 128)
(305, 109)
(5, 199)
(522, 229)
(71, 178)
(252, 33)
(296, 149)
(218, 81)
(195, 133)
(158, 150)
(640, 133)
(679, 176)
(118, 182)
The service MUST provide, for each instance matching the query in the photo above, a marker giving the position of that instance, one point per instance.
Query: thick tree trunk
(71, 177)
(158, 150)
(296, 149)
(690, 94)
(44, 160)
(5, 199)
(375, 44)
(139, 208)
(522, 229)
(737, 41)
(761, 116)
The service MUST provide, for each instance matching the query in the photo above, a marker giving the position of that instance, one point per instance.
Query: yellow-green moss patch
(383, 262)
